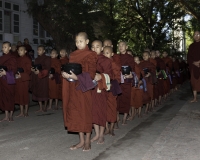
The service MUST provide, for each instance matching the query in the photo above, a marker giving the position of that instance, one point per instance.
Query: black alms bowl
(76, 68)
(126, 70)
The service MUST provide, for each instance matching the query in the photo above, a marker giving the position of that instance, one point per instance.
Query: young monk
(99, 107)
(148, 74)
(7, 82)
(124, 99)
(54, 79)
(111, 96)
(168, 63)
(22, 81)
(63, 60)
(14, 50)
(162, 82)
(40, 79)
(137, 92)
(77, 103)
(115, 57)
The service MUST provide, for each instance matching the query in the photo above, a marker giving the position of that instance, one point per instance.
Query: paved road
(169, 133)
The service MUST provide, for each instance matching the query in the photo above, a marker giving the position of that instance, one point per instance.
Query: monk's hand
(128, 75)
(36, 71)
(148, 74)
(97, 77)
(196, 63)
(2, 72)
(32, 69)
(65, 75)
(140, 83)
(50, 76)
(73, 76)
(18, 75)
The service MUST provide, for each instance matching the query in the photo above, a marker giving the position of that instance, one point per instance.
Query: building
(16, 24)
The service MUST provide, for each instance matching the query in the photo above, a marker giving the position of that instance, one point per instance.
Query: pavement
(169, 133)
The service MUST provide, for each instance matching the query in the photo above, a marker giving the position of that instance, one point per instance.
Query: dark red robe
(124, 100)
(77, 105)
(62, 61)
(7, 83)
(39, 85)
(99, 100)
(55, 81)
(22, 84)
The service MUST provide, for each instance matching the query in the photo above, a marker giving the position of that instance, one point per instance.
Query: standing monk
(124, 100)
(22, 81)
(39, 85)
(194, 64)
(77, 103)
(7, 82)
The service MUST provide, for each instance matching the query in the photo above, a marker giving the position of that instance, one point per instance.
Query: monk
(39, 85)
(77, 102)
(193, 59)
(115, 57)
(7, 82)
(14, 51)
(99, 106)
(137, 93)
(111, 97)
(175, 73)
(169, 65)
(124, 99)
(148, 70)
(54, 79)
(63, 60)
(155, 87)
(19, 43)
(161, 67)
(22, 82)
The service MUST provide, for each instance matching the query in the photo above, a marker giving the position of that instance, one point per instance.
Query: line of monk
(109, 86)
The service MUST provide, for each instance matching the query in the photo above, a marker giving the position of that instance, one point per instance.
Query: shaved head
(108, 48)
(107, 42)
(82, 34)
(98, 42)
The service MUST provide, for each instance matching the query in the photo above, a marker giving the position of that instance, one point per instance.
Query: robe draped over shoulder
(22, 84)
(77, 105)
(7, 89)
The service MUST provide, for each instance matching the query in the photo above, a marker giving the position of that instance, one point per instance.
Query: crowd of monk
(99, 94)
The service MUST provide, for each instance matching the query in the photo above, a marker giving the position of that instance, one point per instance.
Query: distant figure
(19, 43)
(14, 51)
(194, 64)
(30, 51)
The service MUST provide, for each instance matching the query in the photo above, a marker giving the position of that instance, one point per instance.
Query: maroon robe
(7, 83)
(39, 85)
(22, 84)
(62, 61)
(77, 105)
(149, 80)
(55, 81)
(99, 100)
(124, 100)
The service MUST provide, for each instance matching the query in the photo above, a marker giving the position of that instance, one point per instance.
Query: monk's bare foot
(95, 138)
(139, 116)
(112, 133)
(49, 108)
(87, 147)
(4, 120)
(40, 110)
(26, 115)
(44, 110)
(130, 118)
(11, 119)
(193, 101)
(100, 140)
(116, 127)
(124, 122)
(20, 115)
(77, 146)
(106, 132)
